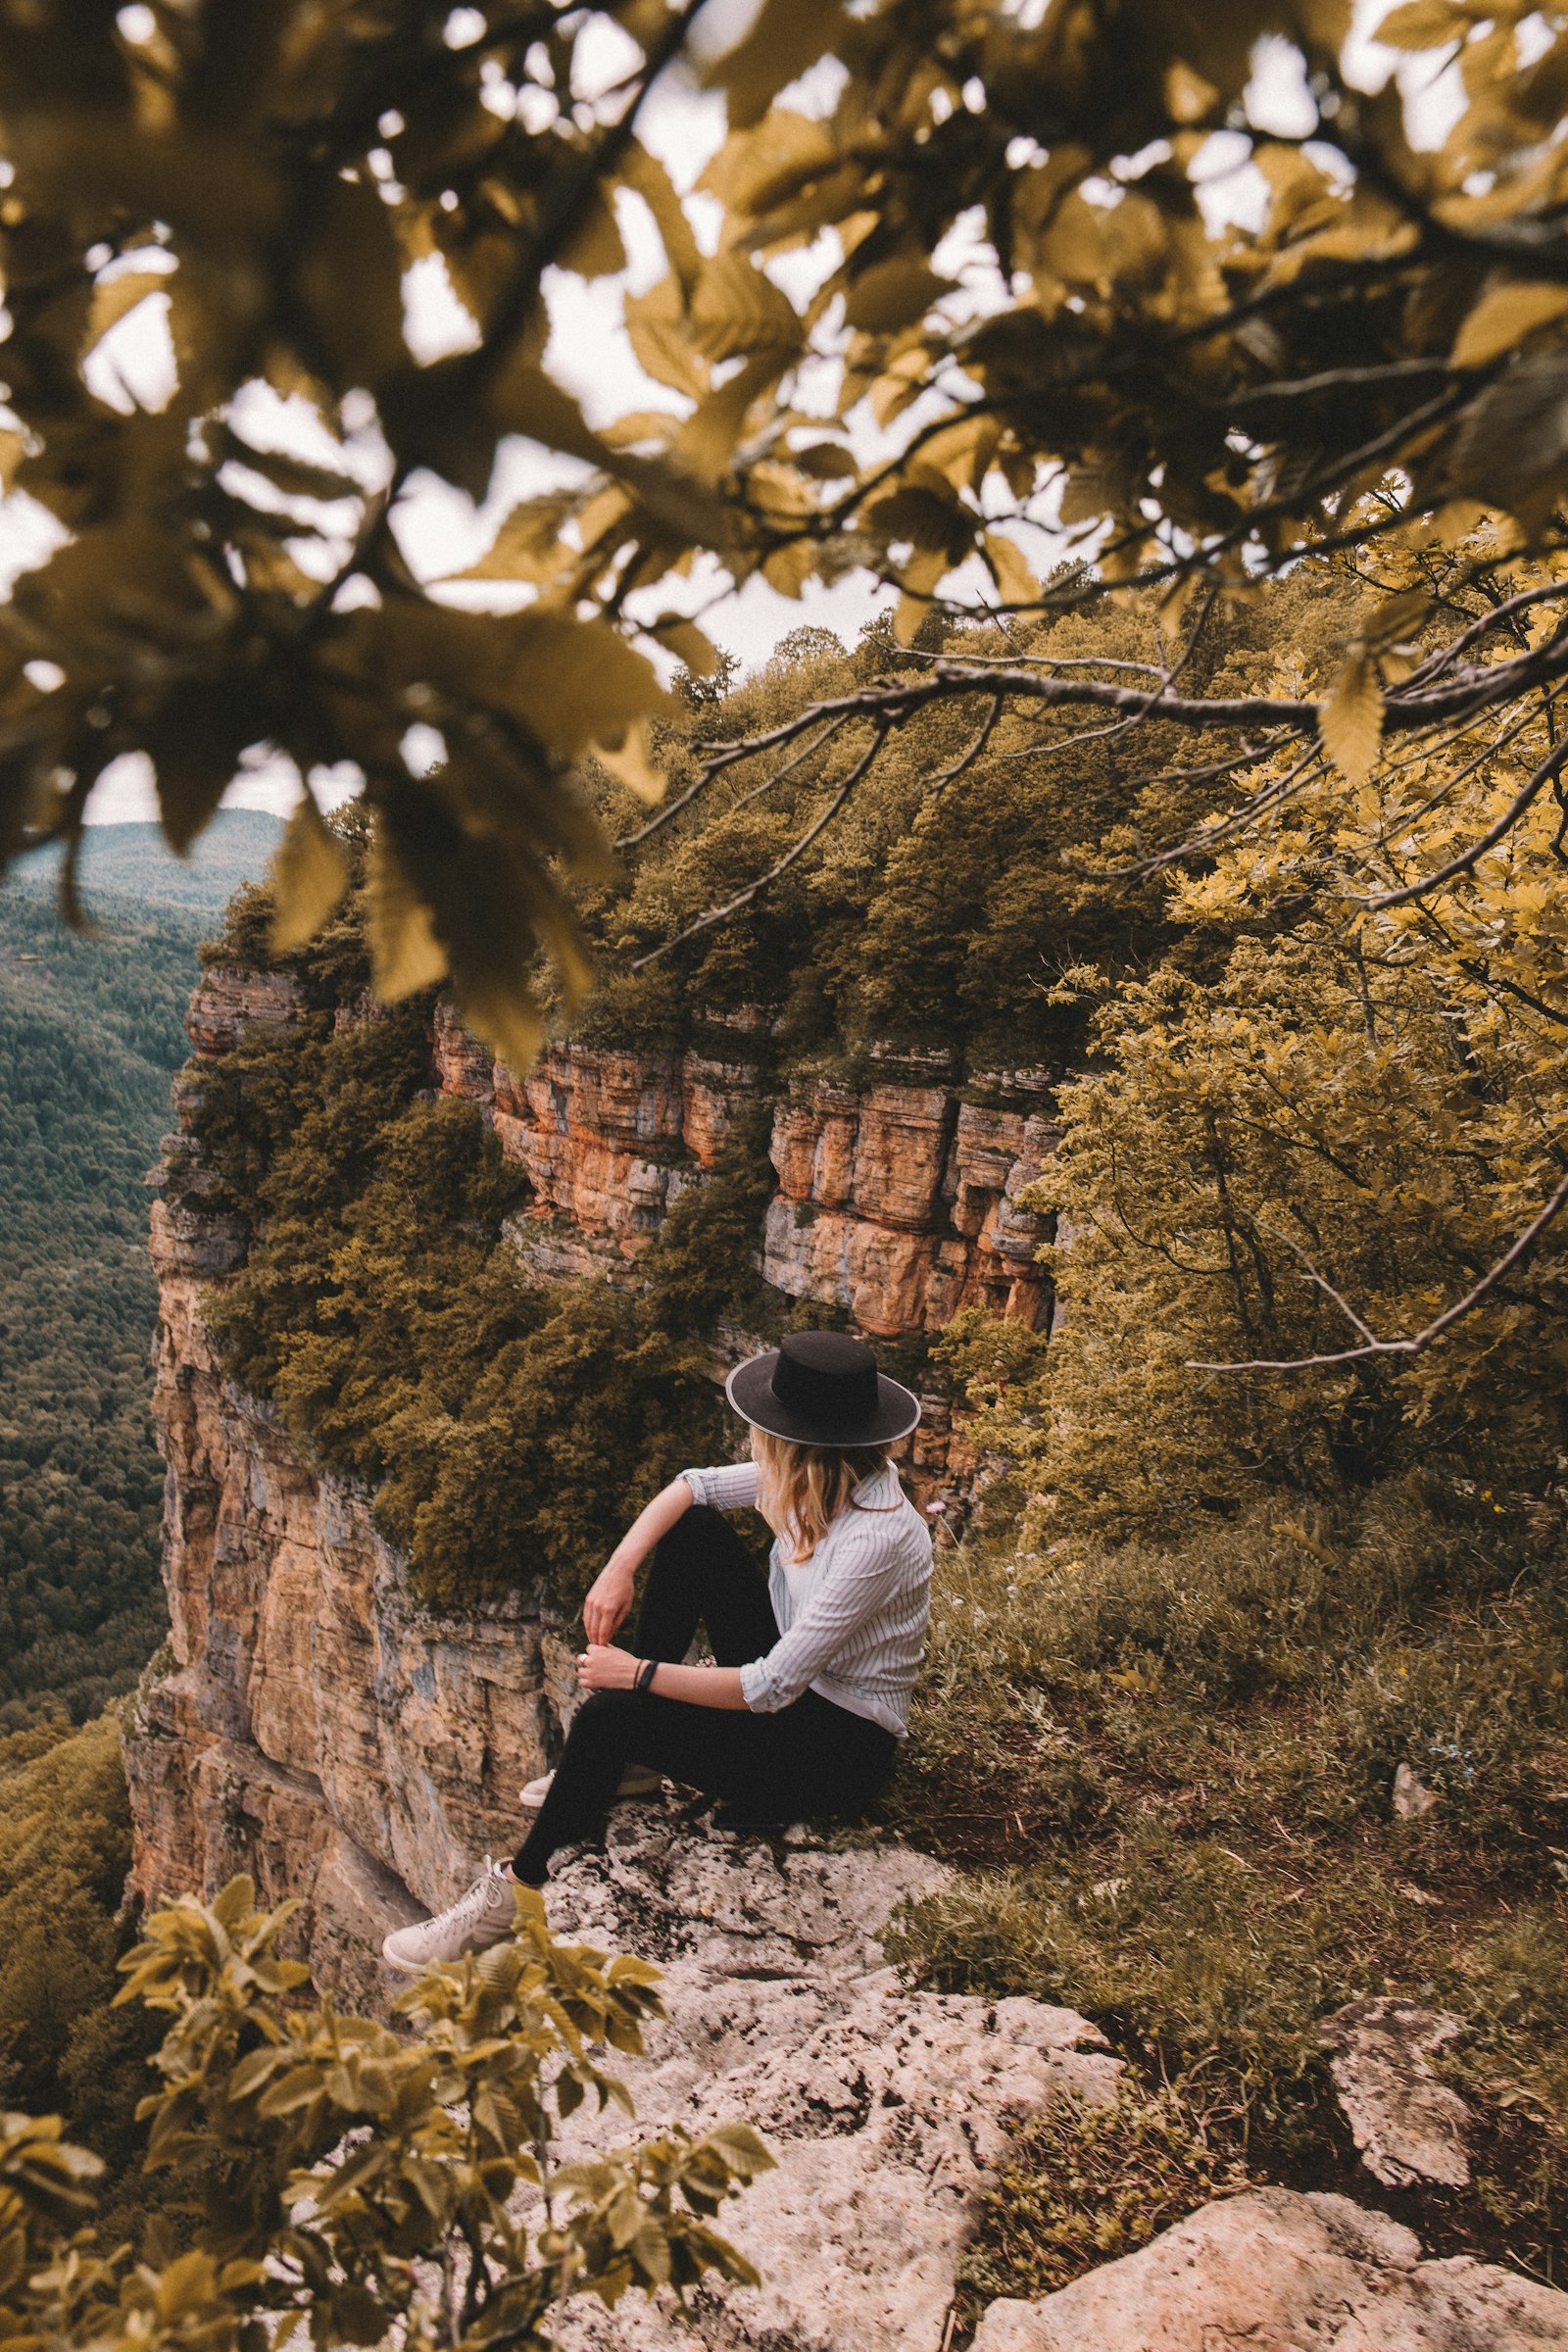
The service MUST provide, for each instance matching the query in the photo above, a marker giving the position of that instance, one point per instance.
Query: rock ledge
(887, 2109)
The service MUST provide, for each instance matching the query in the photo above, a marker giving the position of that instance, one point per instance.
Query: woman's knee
(693, 1535)
(604, 1717)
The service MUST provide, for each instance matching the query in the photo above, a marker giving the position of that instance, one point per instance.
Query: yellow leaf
(894, 293)
(825, 461)
(1423, 24)
(661, 340)
(596, 249)
(1504, 316)
(1395, 617)
(736, 310)
(755, 168)
(115, 297)
(310, 874)
(524, 400)
(1012, 575)
(1350, 721)
(643, 425)
(707, 441)
(788, 568)
(630, 765)
(687, 642)
(906, 619)
(788, 37)
(405, 953)
(1186, 94)
(527, 546)
(576, 681)
(645, 174)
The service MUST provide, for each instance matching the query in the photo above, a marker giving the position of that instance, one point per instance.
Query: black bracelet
(646, 1673)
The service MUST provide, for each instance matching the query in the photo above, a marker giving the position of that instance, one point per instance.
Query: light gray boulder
(1274, 2270)
(887, 2109)
(1408, 2126)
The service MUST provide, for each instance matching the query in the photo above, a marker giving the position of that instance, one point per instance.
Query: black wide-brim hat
(822, 1389)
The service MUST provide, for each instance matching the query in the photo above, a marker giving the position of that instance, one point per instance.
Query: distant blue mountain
(134, 865)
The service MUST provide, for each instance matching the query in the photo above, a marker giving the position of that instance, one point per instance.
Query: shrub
(1086, 2184)
(358, 2179)
(1175, 1945)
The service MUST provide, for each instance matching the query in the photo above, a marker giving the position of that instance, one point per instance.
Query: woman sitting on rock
(809, 1697)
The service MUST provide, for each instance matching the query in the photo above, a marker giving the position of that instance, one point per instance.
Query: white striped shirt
(853, 1618)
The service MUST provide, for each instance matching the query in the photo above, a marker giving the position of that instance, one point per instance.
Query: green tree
(355, 2178)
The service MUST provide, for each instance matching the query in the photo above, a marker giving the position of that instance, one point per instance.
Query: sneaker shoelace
(467, 1907)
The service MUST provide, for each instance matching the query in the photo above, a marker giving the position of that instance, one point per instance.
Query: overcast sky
(441, 531)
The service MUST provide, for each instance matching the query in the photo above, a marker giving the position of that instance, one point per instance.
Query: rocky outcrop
(1408, 2126)
(313, 1726)
(228, 1001)
(886, 2109)
(307, 1722)
(897, 1200)
(1276, 2272)
(900, 1204)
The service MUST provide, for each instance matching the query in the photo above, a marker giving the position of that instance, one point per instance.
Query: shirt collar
(877, 1483)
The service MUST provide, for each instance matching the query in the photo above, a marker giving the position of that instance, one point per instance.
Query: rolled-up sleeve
(866, 1574)
(733, 1486)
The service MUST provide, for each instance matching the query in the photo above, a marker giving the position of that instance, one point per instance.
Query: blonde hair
(804, 1488)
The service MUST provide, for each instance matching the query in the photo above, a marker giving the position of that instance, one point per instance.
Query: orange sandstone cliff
(308, 1721)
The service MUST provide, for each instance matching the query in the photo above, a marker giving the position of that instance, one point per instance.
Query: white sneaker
(485, 1915)
(635, 1780)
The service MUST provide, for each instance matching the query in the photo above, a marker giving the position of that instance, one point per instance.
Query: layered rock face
(897, 1200)
(315, 1728)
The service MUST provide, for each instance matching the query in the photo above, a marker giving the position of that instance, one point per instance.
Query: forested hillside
(89, 1035)
(132, 865)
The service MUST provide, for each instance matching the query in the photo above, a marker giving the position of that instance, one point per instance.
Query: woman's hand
(603, 1611)
(601, 1668)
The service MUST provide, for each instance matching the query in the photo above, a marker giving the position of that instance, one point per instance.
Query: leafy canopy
(1025, 321)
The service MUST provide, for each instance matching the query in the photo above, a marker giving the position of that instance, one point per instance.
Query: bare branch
(966, 760)
(1447, 654)
(1413, 1346)
(720, 914)
(896, 700)
(1270, 797)
(1338, 380)
(630, 841)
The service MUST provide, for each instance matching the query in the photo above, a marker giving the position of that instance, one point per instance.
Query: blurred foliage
(65, 1848)
(1036, 314)
(356, 2178)
(90, 1034)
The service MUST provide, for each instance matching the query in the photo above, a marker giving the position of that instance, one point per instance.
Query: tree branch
(1552, 766)
(720, 914)
(1413, 1346)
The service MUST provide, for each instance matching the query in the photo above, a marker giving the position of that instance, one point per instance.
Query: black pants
(810, 1758)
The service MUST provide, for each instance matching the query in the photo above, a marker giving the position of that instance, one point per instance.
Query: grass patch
(1169, 1774)
(1087, 2184)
